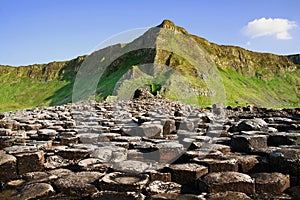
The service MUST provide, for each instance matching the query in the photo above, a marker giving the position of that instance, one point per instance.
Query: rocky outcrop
(157, 47)
(112, 150)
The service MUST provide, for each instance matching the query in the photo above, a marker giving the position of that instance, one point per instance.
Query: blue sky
(41, 31)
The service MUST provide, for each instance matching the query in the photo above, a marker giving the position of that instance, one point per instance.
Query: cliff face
(247, 77)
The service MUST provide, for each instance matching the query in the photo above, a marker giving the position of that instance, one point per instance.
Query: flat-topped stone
(228, 181)
(8, 166)
(29, 162)
(228, 195)
(275, 183)
(218, 165)
(108, 195)
(248, 143)
(160, 187)
(187, 174)
(78, 184)
(121, 182)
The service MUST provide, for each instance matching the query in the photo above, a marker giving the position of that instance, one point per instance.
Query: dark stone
(271, 182)
(228, 181)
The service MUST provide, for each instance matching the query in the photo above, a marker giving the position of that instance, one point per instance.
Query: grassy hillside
(37, 85)
(248, 77)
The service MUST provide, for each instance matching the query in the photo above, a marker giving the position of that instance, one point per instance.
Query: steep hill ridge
(248, 77)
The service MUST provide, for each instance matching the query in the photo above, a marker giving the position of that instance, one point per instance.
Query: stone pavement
(149, 149)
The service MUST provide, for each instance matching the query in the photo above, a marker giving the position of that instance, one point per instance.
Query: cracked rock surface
(149, 149)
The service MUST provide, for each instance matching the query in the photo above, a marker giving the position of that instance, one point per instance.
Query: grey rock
(248, 143)
(228, 195)
(160, 187)
(218, 165)
(120, 182)
(108, 195)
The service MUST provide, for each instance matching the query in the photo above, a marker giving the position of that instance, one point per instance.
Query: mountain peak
(168, 24)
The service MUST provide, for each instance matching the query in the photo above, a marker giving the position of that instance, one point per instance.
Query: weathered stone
(6, 141)
(168, 126)
(271, 182)
(35, 191)
(281, 138)
(15, 183)
(46, 134)
(78, 184)
(294, 192)
(134, 166)
(228, 195)
(169, 151)
(218, 165)
(171, 196)
(160, 176)
(270, 196)
(185, 125)
(256, 124)
(5, 132)
(30, 162)
(38, 177)
(108, 195)
(128, 139)
(15, 149)
(187, 174)
(54, 162)
(286, 161)
(72, 153)
(8, 167)
(251, 163)
(228, 181)
(120, 182)
(93, 164)
(225, 149)
(248, 143)
(110, 154)
(88, 138)
(159, 187)
(60, 172)
(68, 140)
(147, 130)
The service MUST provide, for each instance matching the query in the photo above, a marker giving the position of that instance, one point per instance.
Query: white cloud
(271, 26)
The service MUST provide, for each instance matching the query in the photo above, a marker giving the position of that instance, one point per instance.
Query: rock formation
(149, 149)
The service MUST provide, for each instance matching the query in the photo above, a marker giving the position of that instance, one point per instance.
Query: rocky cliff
(165, 58)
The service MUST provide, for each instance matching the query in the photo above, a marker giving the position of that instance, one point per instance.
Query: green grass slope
(262, 79)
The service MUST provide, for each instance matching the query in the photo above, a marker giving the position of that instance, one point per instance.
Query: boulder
(228, 181)
(218, 165)
(275, 183)
(248, 143)
(121, 182)
(71, 153)
(8, 167)
(34, 191)
(5, 132)
(79, 184)
(187, 174)
(256, 124)
(160, 187)
(228, 195)
(108, 195)
(30, 162)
